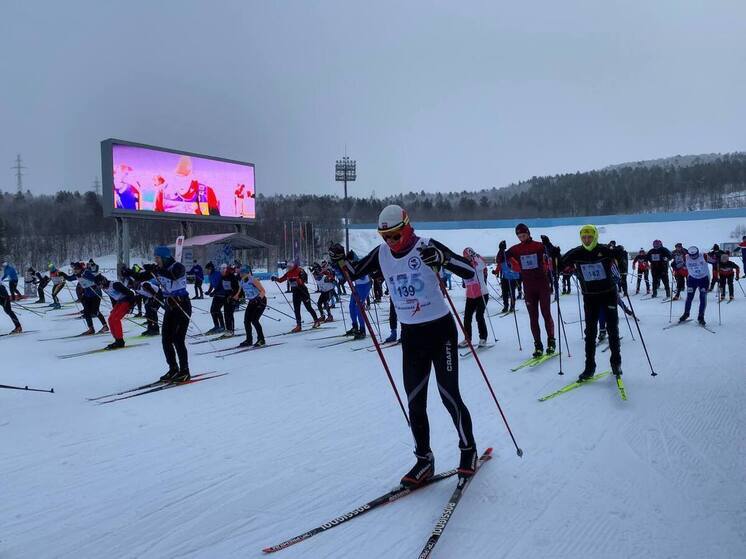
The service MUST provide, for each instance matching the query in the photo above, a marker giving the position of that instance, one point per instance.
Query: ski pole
(378, 323)
(642, 339)
(720, 299)
(670, 299)
(375, 341)
(284, 297)
(342, 310)
(487, 311)
(24, 307)
(519, 451)
(564, 331)
(559, 319)
(580, 312)
(280, 312)
(741, 286)
(515, 316)
(9, 387)
(629, 325)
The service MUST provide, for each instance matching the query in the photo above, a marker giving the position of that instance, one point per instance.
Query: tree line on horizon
(68, 225)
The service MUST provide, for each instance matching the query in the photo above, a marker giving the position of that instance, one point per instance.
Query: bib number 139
(406, 285)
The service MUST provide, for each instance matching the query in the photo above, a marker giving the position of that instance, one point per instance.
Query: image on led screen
(147, 179)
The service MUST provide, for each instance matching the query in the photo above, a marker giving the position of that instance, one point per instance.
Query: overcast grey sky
(426, 95)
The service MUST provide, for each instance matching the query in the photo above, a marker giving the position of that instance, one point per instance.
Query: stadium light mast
(346, 170)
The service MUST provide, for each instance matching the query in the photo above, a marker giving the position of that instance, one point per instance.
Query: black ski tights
(433, 344)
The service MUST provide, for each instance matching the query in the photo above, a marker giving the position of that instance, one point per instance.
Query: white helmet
(391, 218)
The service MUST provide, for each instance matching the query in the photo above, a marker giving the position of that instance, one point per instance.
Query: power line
(19, 173)
(97, 186)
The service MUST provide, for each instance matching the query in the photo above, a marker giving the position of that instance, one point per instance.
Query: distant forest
(70, 225)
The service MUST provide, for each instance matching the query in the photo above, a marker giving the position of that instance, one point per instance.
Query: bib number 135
(406, 285)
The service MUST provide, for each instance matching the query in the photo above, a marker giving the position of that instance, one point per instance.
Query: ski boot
(538, 350)
(730, 298)
(329, 318)
(260, 343)
(601, 336)
(168, 376)
(684, 317)
(296, 329)
(701, 321)
(551, 346)
(468, 464)
(616, 369)
(246, 343)
(359, 335)
(104, 329)
(352, 331)
(16, 330)
(420, 472)
(482, 342)
(586, 375)
(181, 376)
(56, 306)
(505, 310)
(116, 344)
(213, 330)
(227, 334)
(391, 339)
(463, 343)
(89, 332)
(316, 323)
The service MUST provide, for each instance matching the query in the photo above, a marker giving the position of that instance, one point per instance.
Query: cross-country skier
(150, 293)
(232, 289)
(428, 335)
(324, 276)
(9, 273)
(199, 276)
(58, 282)
(476, 297)
(256, 302)
(217, 293)
(567, 273)
(530, 258)
(742, 246)
(171, 278)
(641, 263)
(41, 281)
(678, 265)
(698, 279)
(5, 300)
(90, 296)
(122, 299)
(509, 278)
(713, 257)
(296, 278)
(659, 257)
(597, 273)
(362, 287)
(727, 270)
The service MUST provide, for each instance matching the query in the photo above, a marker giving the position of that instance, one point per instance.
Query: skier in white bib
(429, 338)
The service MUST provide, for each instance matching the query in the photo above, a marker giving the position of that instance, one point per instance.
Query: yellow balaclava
(589, 230)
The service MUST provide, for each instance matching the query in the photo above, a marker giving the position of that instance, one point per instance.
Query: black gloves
(336, 252)
(545, 240)
(432, 256)
(273, 278)
(503, 245)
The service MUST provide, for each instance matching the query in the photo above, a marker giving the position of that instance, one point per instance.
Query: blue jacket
(196, 270)
(216, 284)
(10, 273)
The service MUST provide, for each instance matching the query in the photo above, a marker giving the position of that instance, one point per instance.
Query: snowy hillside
(297, 434)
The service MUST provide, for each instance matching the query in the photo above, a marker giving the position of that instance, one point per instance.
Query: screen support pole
(123, 243)
(186, 229)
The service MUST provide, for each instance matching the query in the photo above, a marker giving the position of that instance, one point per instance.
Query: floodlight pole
(346, 170)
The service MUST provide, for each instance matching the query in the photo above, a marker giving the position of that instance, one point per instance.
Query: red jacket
(530, 259)
(293, 277)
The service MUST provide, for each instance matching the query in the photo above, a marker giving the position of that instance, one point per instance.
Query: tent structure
(227, 247)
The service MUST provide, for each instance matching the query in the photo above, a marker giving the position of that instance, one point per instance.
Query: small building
(225, 248)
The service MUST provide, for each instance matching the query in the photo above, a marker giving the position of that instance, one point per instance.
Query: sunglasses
(395, 237)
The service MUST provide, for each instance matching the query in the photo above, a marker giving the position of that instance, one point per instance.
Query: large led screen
(167, 183)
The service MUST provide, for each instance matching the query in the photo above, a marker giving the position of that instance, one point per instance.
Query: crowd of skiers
(415, 272)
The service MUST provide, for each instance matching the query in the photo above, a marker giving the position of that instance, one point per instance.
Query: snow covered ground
(296, 435)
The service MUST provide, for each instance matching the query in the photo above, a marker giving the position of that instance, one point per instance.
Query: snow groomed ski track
(294, 435)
